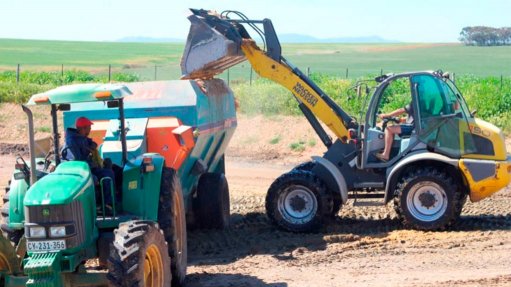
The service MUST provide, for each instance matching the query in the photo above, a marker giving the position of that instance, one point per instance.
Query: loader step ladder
(367, 198)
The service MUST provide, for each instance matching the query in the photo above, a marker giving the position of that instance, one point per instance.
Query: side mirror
(64, 107)
(473, 113)
(112, 104)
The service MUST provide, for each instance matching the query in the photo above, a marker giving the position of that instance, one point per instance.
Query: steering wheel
(48, 160)
(387, 120)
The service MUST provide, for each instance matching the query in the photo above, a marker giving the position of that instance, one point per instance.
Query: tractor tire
(139, 256)
(172, 220)
(298, 201)
(337, 200)
(428, 199)
(14, 235)
(213, 203)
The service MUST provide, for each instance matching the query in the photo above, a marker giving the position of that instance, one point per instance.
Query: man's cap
(82, 122)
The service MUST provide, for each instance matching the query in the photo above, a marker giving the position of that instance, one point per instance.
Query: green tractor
(58, 228)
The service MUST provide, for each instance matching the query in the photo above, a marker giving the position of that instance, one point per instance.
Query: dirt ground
(362, 246)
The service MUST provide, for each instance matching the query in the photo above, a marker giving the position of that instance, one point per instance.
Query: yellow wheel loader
(448, 155)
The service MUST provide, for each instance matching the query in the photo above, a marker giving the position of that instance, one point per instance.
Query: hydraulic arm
(216, 43)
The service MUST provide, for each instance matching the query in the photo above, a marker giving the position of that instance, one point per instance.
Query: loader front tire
(139, 256)
(172, 220)
(428, 199)
(298, 201)
(337, 199)
(213, 203)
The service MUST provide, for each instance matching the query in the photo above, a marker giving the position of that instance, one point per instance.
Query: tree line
(485, 36)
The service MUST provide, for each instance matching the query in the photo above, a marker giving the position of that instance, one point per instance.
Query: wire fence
(238, 74)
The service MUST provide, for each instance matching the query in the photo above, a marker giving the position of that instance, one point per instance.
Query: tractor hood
(68, 181)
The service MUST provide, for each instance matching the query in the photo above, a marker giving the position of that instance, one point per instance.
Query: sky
(110, 20)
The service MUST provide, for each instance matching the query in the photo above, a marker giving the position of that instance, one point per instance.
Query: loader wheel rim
(153, 267)
(298, 204)
(427, 201)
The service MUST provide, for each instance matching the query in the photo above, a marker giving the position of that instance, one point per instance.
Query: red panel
(161, 140)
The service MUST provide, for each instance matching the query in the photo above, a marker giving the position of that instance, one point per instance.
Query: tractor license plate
(49, 245)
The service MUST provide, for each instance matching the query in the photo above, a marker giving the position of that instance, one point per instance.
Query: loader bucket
(213, 45)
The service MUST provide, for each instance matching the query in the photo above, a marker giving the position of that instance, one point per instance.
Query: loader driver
(84, 148)
(401, 129)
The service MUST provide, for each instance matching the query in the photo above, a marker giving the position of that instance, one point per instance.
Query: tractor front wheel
(428, 199)
(298, 201)
(139, 256)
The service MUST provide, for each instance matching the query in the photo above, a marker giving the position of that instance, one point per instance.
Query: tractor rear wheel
(139, 256)
(14, 235)
(213, 204)
(171, 218)
(428, 199)
(298, 201)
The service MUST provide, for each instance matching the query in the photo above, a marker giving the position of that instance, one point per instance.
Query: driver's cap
(82, 122)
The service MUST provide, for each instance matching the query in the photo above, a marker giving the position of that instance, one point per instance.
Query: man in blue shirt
(78, 146)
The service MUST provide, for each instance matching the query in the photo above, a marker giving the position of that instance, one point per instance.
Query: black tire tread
(213, 203)
(169, 185)
(337, 200)
(130, 239)
(452, 214)
(14, 235)
(324, 199)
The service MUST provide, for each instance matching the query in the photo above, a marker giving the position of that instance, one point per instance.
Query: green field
(332, 59)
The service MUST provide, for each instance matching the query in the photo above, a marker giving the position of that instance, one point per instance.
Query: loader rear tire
(298, 201)
(14, 235)
(428, 199)
(139, 256)
(172, 220)
(213, 203)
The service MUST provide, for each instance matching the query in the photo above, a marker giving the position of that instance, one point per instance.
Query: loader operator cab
(60, 99)
(439, 113)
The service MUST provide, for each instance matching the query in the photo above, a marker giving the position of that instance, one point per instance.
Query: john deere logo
(46, 212)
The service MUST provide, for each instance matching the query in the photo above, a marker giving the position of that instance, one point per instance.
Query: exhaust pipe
(213, 45)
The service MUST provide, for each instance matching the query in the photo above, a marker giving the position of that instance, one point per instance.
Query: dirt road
(362, 247)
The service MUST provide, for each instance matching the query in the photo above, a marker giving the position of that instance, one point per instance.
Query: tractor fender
(18, 189)
(336, 175)
(394, 172)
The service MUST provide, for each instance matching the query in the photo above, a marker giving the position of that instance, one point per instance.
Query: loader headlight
(37, 232)
(57, 231)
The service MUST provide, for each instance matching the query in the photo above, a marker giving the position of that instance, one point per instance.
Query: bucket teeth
(208, 52)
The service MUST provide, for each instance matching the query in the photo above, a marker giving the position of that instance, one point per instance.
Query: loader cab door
(395, 93)
(442, 118)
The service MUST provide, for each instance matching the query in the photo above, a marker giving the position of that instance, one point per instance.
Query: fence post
(454, 78)
(308, 71)
(155, 72)
(109, 73)
(18, 74)
(251, 70)
(381, 71)
(501, 81)
(346, 73)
